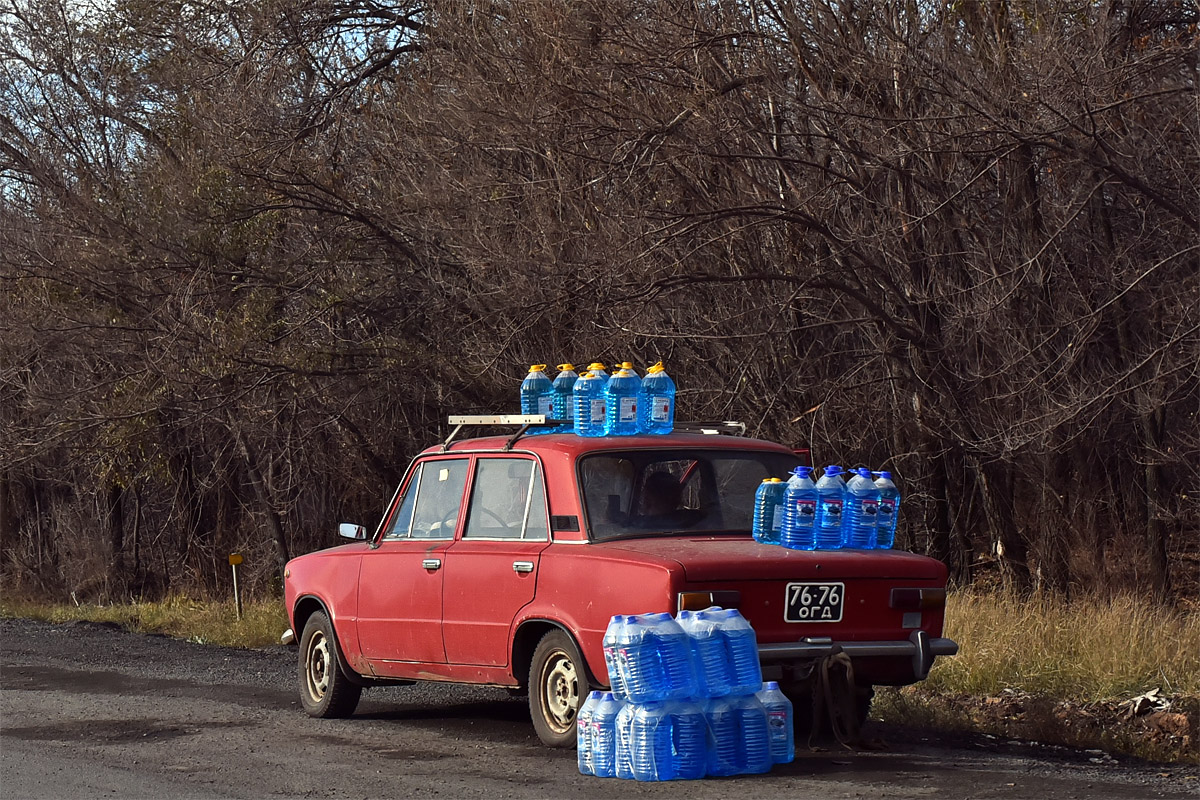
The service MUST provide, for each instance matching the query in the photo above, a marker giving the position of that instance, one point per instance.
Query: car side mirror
(348, 530)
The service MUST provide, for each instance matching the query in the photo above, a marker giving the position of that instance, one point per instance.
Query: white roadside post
(234, 560)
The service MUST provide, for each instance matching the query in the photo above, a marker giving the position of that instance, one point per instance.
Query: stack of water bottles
(830, 514)
(687, 701)
(595, 404)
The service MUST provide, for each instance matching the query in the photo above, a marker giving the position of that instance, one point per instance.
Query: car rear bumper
(920, 647)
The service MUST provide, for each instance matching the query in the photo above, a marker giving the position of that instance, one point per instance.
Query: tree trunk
(116, 539)
(996, 481)
(1152, 425)
(8, 525)
(274, 521)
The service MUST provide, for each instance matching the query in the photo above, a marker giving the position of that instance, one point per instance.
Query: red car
(500, 561)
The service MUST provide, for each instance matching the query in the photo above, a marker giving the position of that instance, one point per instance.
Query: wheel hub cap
(562, 692)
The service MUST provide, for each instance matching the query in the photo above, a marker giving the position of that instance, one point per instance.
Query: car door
(400, 580)
(492, 570)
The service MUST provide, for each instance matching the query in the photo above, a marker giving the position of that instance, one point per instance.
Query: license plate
(814, 602)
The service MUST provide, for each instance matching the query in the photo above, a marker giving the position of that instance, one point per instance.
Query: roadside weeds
(1118, 676)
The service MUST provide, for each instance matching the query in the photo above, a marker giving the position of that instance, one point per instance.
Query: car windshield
(675, 492)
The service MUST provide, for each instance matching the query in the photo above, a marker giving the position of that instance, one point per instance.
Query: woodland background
(252, 255)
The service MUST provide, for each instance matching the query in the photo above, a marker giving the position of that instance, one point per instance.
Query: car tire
(325, 691)
(558, 685)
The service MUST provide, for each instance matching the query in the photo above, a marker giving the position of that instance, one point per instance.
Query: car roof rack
(728, 427)
(527, 421)
(524, 421)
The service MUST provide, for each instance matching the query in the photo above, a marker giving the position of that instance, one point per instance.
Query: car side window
(400, 524)
(508, 501)
(439, 498)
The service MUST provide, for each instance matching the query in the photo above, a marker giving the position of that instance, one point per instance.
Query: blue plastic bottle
(860, 513)
(690, 738)
(624, 754)
(604, 735)
(739, 735)
(672, 670)
(741, 648)
(657, 412)
(709, 652)
(612, 636)
(563, 406)
(724, 744)
(667, 741)
(537, 396)
(755, 733)
(630, 643)
(831, 495)
(621, 402)
(588, 397)
(585, 733)
(799, 511)
(768, 511)
(779, 721)
(889, 510)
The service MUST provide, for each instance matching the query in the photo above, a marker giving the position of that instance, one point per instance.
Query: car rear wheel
(325, 691)
(558, 685)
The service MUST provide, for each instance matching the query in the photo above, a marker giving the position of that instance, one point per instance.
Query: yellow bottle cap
(595, 365)
(626, 365)
(772, 480)
(656, 369)
(565, 367)
(538, 368)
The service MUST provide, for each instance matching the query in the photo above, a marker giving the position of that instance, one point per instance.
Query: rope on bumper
(834, 695)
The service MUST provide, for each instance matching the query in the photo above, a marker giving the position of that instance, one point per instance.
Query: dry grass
(1057, 672)
(199, 621)
(1085, 650)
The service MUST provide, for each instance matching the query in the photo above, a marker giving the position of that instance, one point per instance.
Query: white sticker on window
(444, 475)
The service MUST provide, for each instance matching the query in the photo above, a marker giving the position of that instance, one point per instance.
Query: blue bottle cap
(884, 474)
(803, 472)
(834, 469)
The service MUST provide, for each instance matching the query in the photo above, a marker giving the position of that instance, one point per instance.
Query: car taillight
(698, 601)
(918, 599)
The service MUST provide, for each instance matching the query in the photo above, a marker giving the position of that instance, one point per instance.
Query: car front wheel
(325, 691)
(558, 686)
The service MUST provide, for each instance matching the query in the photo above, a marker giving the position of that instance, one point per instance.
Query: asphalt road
(90, 711)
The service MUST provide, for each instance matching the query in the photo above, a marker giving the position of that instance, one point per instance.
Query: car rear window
(675, 492)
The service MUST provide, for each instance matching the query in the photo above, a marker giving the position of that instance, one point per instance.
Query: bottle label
(545, 404)
(832, 509)
(870, 509)
(598, 412)
(660, 408)
(777, 518)
(805, 511)
(778, 721)
(628, 410)
(887, 508)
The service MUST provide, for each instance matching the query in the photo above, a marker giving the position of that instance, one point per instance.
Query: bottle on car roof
(588, 400)
(537, 395)
(657, 411)
(621, 397)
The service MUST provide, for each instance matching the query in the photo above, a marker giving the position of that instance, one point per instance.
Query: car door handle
(522, 566)
(431, 563)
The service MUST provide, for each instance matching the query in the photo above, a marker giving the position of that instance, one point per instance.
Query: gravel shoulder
(88, 710)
